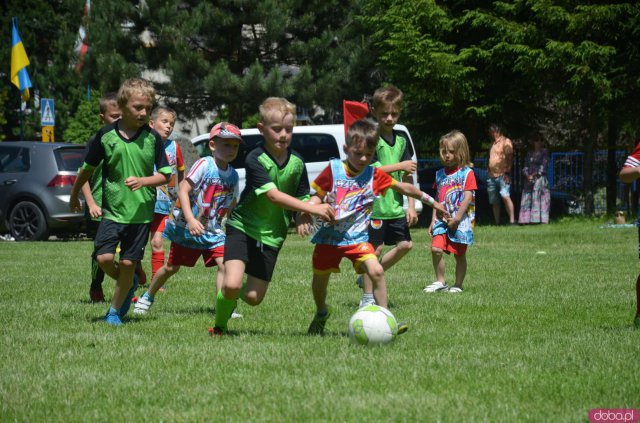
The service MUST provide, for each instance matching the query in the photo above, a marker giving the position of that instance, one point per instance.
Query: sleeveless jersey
(213, 192)
(167, 194)
(352, 200)
(389, 205)
(450, 189)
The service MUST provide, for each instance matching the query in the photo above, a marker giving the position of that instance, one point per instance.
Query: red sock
(157, 261)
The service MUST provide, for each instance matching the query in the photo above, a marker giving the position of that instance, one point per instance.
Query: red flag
(353, 111)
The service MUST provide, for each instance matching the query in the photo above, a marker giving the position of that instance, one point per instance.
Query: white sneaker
(235, 315)
(142, 306)
(437, 286)
(364, 303)
(455, 290)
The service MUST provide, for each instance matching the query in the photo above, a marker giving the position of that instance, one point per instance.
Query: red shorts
(445, 244)
(326, 258)
(184, 256)
(158, 223)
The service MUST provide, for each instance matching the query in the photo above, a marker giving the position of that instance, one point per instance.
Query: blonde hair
(363, 130)
(276, 104)
(458, 142)
(388, 95)
(135, 86)
(106, 100)
(155, 113)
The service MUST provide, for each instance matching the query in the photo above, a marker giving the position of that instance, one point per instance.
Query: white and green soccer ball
(372, 325)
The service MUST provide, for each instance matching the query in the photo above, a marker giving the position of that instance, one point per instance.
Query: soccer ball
(372, 325)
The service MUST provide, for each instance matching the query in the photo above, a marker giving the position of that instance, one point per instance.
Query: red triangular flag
(353, 111)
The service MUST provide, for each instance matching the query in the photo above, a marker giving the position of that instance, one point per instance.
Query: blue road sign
(47, 112)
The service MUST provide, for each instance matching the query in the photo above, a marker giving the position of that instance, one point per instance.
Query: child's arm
(407, 166)
(304, 221)
(412, 216)
(629, 174)
(434, 217)
(281, 199)
(184, 189)
(83, 178)
(454, 221)
(411, 191)
(136, 182)
(94, 209)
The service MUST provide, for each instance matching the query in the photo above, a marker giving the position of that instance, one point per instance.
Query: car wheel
(27, 222)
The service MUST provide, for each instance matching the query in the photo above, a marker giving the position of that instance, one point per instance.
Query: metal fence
(565, 173)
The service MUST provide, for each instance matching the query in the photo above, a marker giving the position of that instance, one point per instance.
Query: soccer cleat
(402, 327)
(113, 319)
(216, 331)
(317, 324)
(96, 295)
(126, 305)
(437, 286)
(143, 305)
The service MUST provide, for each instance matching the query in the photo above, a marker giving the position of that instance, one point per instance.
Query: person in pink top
(499, 181)
(630, 172)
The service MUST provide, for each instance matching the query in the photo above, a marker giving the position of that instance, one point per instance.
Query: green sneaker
(402, 327)
(317, 325)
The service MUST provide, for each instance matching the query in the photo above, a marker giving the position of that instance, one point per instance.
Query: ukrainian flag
(19, 62)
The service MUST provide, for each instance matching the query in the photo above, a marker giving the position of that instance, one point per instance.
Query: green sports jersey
(255, 215)
(389, 205)
(95, 182)
(122, 158)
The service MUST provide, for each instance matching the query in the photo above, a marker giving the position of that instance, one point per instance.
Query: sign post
(47, 119)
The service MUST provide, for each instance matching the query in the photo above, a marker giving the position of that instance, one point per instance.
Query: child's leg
(319, 289)
(374, 270)
(219, 273)
(108, 265)
(124, 283)
(162, 275)
(227, 298)
(461, 269)
(367, 284)
(437, 257)
(157, 253)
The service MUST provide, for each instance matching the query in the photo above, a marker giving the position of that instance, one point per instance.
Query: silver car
(35, 184)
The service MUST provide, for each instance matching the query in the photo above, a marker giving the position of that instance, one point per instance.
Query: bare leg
(437, 257)
(508, 205)
(388, 260)
(319, 289)
(375, 271)
(461, 269)
(163, 274)
(124, 283)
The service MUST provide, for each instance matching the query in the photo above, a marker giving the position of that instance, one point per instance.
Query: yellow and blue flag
(19, 62)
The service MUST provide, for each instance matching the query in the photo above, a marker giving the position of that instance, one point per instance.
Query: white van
(317, 144)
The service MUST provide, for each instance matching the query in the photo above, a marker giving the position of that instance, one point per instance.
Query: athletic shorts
(445, 244)
(388, 232)
(260, 259)
(132, 237)
(326, 258)
(185, 256)
(158, 223)
(497, 188)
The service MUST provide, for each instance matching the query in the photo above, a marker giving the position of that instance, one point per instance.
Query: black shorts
(388, 232)
(132, 237)
(260, 259)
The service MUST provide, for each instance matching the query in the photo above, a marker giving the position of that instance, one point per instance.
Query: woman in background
(534, 205)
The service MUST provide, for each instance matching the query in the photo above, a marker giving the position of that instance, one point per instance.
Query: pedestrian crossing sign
(47, 112)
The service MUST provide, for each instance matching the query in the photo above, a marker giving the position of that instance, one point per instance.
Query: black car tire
(27, 222)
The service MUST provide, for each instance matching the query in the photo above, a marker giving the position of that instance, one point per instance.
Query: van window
(312, 147)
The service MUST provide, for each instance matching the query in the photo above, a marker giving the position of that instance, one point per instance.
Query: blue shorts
(497, 188)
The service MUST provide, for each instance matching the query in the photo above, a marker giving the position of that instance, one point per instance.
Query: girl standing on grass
(455, 186)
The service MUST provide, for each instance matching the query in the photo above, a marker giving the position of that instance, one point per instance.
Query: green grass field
(543, 332)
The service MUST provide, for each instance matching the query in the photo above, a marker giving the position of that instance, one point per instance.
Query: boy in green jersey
(276, 184)
(128, 150)
(389, 222)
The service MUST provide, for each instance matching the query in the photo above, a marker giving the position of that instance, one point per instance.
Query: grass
(542, 333)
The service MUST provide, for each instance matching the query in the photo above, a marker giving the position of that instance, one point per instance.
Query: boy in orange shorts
(351, 187)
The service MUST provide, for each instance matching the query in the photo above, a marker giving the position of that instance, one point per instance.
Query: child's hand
(304, 224)
(453, 223)
(324, 212)
(412, 217)
(440, 208)
(195, 227)
(430, 229)
(95, 211)
(74, 204)
(133, 183)
(409, 166)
